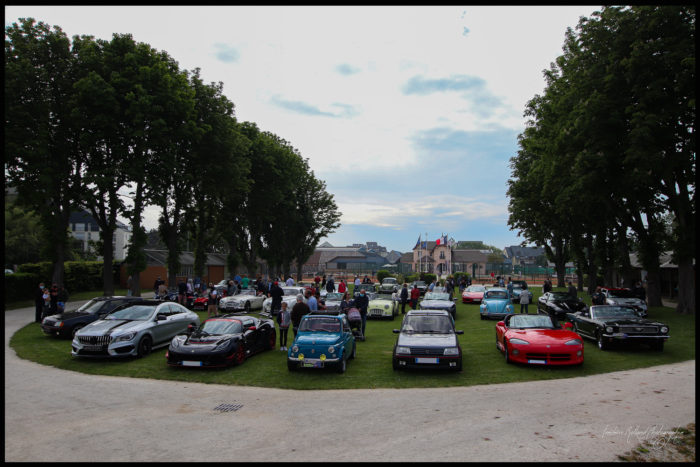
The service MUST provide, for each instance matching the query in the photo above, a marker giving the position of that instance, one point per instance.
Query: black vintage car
(420, 285)
(558, 304)
(222, 341)
(66, 324)
(609, 324)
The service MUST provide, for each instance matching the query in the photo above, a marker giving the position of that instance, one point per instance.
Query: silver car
(133, 330)
(290, 296)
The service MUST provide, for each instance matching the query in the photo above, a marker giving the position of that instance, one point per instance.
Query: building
(84, 229)
(440, 257)
(523, 255)
(359, 258)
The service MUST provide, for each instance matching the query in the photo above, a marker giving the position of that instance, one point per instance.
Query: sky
(410, 114)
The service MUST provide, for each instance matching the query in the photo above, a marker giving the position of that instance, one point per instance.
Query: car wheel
(354, 351)
(459, 365)
(247, 307)
(145, 346)
(342, 365)
(602, 345)
(505, 352)
(239, 356)
(395, 364)
(77, 328)
(272, 340)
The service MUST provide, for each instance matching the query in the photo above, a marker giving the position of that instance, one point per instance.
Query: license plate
(539, 362)
(93, 347)
(312, 364)
(186, 363)
(426, 360)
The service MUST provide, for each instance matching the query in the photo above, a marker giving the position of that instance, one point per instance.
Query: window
(442, 254)
(79, 227)
(186, 270)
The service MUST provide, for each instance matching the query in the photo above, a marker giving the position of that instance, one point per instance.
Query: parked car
(222, 341)
(133, 329)
(290, 296)
(558, 304)
(383, 306)
(368, 288)
(421, 285)
(246, 301)
(66, 324)
(613, 324)
(427, 339)
(332, 302)
(473, 294)
(495, 304)
(519, 287)
(322, 340)
(625, 297)
(439, 301)
(389, 285)
(538, 340)
(200, 302)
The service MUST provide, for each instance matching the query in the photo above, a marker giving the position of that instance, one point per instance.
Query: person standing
(344, 303)
(361, 303)
(342, 288)
(330, 285)
(449, 287)
(284, 318)
(53, 293)
(182, 292)
(276, 293)
(431, 286)
(572, 290)
(39, 303)
(547, 286)
(290, 281)
(404, 298)
(509, 287)
(190, 287)
(62, 299)
(129, 286)
(298, 311)
(157, 284)
(211, 301)
(524, 301)
(245, 281)
(415, 294)
(598, 298)
(311, 301)
(323, 281)
(231, 288)
(47, 302)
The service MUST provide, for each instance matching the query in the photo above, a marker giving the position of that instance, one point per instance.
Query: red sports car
(473, 294)
(538, 340)
(200, 303)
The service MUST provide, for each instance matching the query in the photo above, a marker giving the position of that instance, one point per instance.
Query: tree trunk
(108, 261)
(686, 286)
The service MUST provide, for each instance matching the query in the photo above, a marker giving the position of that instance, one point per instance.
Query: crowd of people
(49, 301)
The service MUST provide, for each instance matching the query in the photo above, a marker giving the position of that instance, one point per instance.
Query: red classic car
(473, 294)
(538, 340)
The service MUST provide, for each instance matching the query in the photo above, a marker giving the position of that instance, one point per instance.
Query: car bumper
(470, 300)
(114, 349)
(313, 362)
(495, 315)
(55, 331)
(200, 360)
(627, 338)
(376, 313)
(540, 355)
(428, 361)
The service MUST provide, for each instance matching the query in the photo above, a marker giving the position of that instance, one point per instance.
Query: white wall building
(84, 228)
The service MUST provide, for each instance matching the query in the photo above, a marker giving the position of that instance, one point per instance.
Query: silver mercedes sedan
(133, 330)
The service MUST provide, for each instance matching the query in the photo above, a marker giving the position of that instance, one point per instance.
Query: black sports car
(558, 304)
(222, 341)
(608, 324)
(66, 324)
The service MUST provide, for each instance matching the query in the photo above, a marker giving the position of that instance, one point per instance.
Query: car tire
(145, 346)
(602, 345)
(354, 351)
(247, 307)
(459, 365)
(75, 329)
(240, 355)
(342, 366)
(272, 340)
(505, 353)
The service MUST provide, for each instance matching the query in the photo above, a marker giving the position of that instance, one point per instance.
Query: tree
(43, 160)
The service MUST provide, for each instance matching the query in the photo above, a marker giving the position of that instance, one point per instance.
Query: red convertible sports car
(538, 340)
(473, 294)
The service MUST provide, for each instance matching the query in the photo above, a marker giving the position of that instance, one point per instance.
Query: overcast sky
(409, 114)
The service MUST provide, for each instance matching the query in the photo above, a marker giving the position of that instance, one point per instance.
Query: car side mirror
(501, 323)
(459, 332)
(161, 317)
(396, 331)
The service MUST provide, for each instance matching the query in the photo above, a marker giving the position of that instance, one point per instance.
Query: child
(284, 318)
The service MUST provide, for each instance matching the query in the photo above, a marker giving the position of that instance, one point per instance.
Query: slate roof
(160, 258)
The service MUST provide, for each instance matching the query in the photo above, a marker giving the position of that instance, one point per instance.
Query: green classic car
(383, 306)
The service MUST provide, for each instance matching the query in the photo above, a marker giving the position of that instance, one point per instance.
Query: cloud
(345, 69)
(344, 110)
(226, 53)
(465, 31)
(419, 85)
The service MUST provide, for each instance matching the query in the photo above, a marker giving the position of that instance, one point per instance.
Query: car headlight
(295, 348)
(331, 349)
(664, 330)
(125, 337)
(509, 307)
(451, 351)
(403, 350)
(573, 342)
(608, 329)
(519, 342)
(386, 307)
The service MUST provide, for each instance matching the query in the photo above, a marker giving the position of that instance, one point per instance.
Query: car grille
(555, 357)
(427, 351)
(639, 329)
(49, 323)
(376, 312)
(95, 340)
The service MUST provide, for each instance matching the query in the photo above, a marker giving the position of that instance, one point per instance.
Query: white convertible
(247, 300)
(290, 296)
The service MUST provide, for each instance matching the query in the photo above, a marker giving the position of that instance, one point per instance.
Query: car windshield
(621, 293)
(247, 292)
(419, 283)
(427, 324)
(389, 280)
(320, 324)
(531, 321)
(365, 287)
(517, 286)
(437, 296)
(613, 312)
(560, 296)
(91, 307)
(291, 291)
(221, 326)
(334, 296)
(476, 288)
(496, 294)
(134, 312)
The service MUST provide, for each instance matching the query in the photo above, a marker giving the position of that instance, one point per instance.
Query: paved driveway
(57, 415)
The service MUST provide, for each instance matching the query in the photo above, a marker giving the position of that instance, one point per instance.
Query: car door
(251, 337)
(159, 330)
(584, 322)
(347, 338)
(177, 320)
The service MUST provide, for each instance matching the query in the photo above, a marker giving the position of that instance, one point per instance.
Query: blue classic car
(495, 304)
(322, 340)
(518, 288)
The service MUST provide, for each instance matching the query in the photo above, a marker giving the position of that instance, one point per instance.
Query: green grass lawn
(482, 363)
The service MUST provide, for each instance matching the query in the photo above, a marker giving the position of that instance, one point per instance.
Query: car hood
(495, 305)
(201, 342)
(573, 305)
(380, 303)
(68, 315)
(630, 321)
(626, 301)
(111, 326)
(436, 304)
(316, 338)
(543, 336)
(473, 294)
(427, 340)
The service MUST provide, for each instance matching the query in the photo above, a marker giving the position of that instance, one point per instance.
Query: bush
(79, 276)
(381, 274)
(427, 277)
(411, 278)
(21, 286)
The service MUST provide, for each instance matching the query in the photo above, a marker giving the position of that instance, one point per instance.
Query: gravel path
(63, 416)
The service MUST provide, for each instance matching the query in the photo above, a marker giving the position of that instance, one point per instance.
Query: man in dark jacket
(298, 311)
(361, 303)
(404, 298)
(572, 290)
(39, 302)
(330, 285)
(276, 293)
